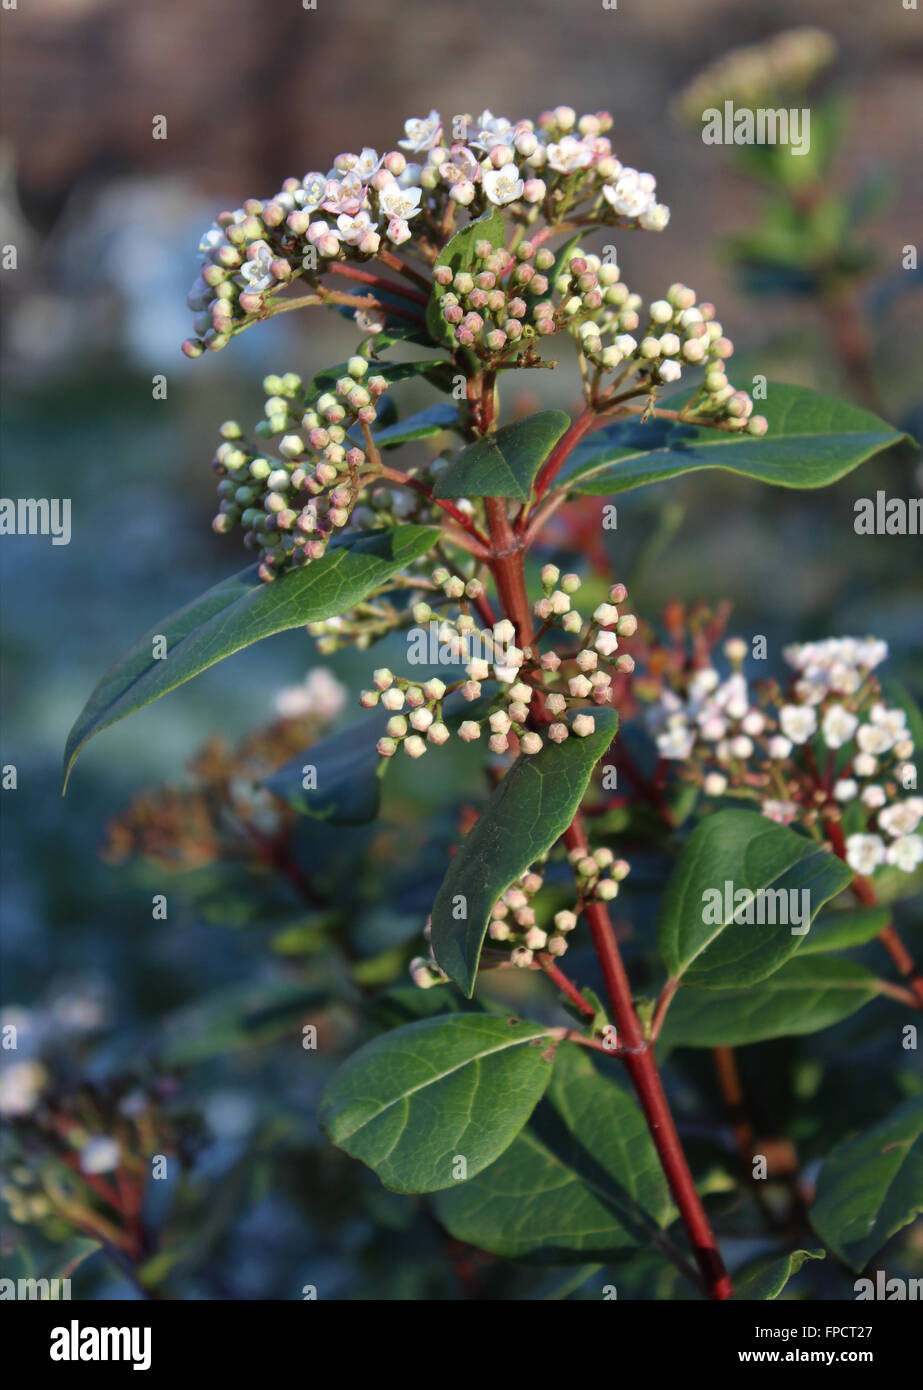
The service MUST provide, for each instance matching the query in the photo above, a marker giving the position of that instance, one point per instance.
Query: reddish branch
(506, 565)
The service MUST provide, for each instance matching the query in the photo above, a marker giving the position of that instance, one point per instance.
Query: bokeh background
(106, 221)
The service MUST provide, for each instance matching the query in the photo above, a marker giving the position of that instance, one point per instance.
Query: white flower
(503, 185)
(779, 747)
(715, 784)
(213, 238)
(906, 853)
(312, 192)
(100, 1154)
(677, 742)
(21, 1085)
(632, 193)
(569, 155)
(491, 130)
(838, 726)
(421, 132)
(395, 201)
(353, 229)
(321, 695)
(344, 195)
(872, 738)
(797, 722)
(873, 797)
(864, 765)
(902, 818)
(783, 812)
(655, 218)
(255, 272)
(864, 853)
(893, 720)
(846, 789)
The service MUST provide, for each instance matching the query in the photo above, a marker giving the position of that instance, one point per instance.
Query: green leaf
(802, 996)
(237, 1017)
(531, 808)
(582, 1181)
(872, 1186)
(238, 612)
(346, 787)
(766, 1277)
(434, 420)
(812, 440)
(837, 931)
(730, 853)
(504, 464)
(412, 1102)
(459, 254)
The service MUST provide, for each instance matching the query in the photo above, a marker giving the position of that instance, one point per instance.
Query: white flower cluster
(291, 503)
(830, 745)
(557, 167)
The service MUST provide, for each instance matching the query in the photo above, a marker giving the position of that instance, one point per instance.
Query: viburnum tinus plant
(465, 252)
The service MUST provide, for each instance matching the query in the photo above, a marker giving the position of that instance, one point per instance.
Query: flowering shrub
(464, 253)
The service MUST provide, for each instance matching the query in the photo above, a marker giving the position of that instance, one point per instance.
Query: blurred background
(105, 219)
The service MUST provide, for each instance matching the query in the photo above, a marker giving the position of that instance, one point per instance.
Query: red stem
(509, 574)
(366, 278)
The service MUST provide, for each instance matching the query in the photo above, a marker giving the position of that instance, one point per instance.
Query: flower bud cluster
(292, 501)
(560, 166)
(648, 349)
(829, 749)
(494, 307)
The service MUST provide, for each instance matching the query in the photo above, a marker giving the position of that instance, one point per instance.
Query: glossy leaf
(414, 1101)
(344, 787)
(729, 853)
(766, 1277)
(238, 612)
(871, 1186)
(837, 931)
(582, 1181)
(812, 440)
(531, 808)
(504, 464)
(802, 996)
(434, 420)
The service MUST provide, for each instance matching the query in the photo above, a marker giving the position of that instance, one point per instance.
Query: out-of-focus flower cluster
(227, 813)
(786, 63)
(559, 167)
(827, 751)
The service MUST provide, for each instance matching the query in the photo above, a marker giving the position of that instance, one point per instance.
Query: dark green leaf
(812, 441)
(459, 254)
(802, 996)
(441, 416)
(345, 783)
(504, 464)
(531, 808)
(837, 931)
(238, 612)
(582, 1181)
(740, 852)
(240, 1016)
(412, 1102)
(766, 1277)
(871, 1186)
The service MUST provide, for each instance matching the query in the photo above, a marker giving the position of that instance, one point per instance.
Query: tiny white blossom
(906, 853)
(838, 726)
(797, 722)
(421, 133)
(503, 185)
(864, 853)
(902, 818)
